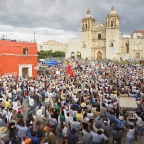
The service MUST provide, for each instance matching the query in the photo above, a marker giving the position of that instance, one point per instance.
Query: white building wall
(112, 36)
(74, 45)
(57, 46)
(136, 46)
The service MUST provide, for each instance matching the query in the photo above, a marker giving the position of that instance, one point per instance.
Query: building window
(86, 26)
(84, 45)
(25, 51)
(40, 47)
(127, 47)
(99, 36)
(112, 45)
(111, 23)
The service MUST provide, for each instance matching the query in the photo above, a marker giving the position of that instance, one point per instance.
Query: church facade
(105, 41)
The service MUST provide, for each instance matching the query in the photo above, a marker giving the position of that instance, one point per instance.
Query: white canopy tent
(129, 104)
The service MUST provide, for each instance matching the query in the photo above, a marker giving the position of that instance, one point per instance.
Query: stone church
(105, 41)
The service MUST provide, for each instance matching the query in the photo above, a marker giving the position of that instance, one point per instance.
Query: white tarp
(128, 103)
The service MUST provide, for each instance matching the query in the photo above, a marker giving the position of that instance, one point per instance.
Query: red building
(18, 58)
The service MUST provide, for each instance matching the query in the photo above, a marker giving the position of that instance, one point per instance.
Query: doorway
(99, 55)
(78, 55)
(72, 55)
(25, 71)
(137, 55)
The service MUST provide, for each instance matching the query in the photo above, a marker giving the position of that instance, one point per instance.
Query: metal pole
(34, 37)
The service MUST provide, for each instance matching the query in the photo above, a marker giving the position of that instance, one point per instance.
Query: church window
(127, 47)
(84, 45)
(99, 36)
(86, 26)
(111, 23)
(83, 27)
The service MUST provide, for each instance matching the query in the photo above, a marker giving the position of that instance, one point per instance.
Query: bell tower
(112, 34)
(113, 20)
(86, 33)
(87, 22)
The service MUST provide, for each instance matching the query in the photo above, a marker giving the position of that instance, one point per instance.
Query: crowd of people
(57, 108)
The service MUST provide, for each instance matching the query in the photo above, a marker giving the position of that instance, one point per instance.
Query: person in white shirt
(67, 118)
(49, 96)
(15, 105)
(75, 124)
(87, 136)
(9, 115)
(130, 134)
(3, 112)
(31, 104)
(31, 101)
(97, 137)
(52, 121)
(139, 123)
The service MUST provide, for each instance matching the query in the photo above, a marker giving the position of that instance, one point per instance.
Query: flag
(70, 72)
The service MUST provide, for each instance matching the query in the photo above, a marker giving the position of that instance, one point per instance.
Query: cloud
(61, 19)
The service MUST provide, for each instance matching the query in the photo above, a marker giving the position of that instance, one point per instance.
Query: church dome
(113, 12)
(89, 14)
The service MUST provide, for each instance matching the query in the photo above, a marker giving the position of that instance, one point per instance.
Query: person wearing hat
(19, 114)
(27, 141)
(3, 134)
(98, 137)
(39, 112)
(49, 136)
(120, 122)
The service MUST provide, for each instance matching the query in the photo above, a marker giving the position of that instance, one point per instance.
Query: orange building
(18, 58)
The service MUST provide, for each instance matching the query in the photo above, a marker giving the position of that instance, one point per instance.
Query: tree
(45, 54)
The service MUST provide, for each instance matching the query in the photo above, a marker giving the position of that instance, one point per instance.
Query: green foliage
(48, 54)
(125, 62)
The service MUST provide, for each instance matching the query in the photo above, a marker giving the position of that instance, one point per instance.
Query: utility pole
(34, 38)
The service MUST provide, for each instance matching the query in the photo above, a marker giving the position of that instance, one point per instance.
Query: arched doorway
(99, 55)
(78, 54)
(137, 55)
(73, 55)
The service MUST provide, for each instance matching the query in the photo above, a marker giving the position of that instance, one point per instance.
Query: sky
(61, 19)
